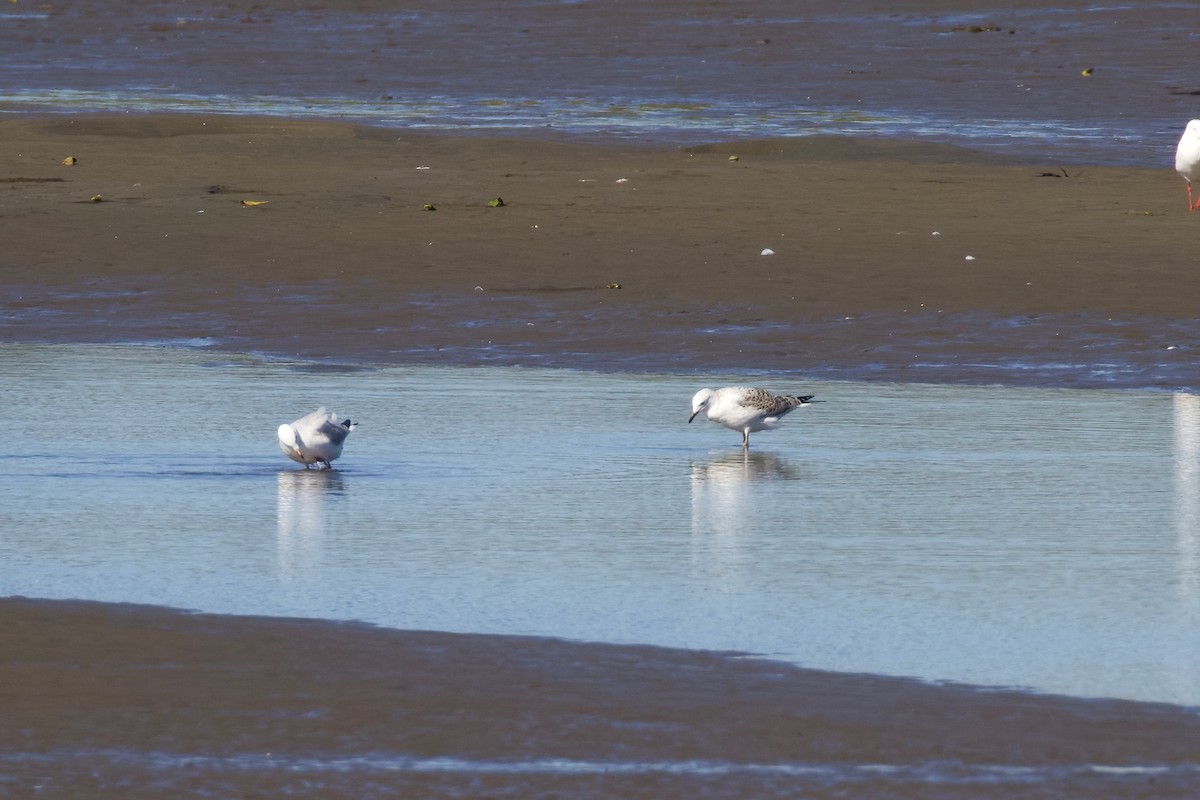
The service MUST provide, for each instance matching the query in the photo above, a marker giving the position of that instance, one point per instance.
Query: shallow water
(1040, 538)
(1010, 79)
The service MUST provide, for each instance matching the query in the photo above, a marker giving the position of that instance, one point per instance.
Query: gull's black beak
(694, 413)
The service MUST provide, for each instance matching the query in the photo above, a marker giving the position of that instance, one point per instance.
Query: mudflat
(324, 239)
(165, 703)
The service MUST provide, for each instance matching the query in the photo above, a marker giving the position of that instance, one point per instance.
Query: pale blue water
(1040, 538)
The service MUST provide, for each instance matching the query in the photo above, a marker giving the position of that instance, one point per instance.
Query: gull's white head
(290, 444)
(700, 401)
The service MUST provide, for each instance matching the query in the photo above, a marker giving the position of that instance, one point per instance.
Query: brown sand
(126, 701)
(858, 278)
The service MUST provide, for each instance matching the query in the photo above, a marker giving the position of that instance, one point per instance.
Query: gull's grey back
(334, 431)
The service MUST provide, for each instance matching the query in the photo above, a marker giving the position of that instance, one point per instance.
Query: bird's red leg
(1192, 206)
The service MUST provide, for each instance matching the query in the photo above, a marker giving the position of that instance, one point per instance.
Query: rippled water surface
(1043, 538)
(1064, 81)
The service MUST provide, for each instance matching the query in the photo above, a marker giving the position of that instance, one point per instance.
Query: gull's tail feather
(782, 404)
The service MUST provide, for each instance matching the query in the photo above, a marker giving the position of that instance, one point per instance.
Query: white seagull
(743, 409)
(315, 438)
(1187, 158)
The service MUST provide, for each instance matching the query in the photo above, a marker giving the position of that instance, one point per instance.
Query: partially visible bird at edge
(1187, 158)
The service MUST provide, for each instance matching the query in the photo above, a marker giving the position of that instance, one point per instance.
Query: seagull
(1187, 158)
(743, 409)
(315, 438)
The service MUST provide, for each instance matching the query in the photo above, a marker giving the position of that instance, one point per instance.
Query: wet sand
(163, 703)
(870, 276)
(146, 237)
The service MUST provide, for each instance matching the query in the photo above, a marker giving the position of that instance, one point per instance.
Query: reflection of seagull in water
(315, 438)
(742, 409)
(303, 517)
(733, 466)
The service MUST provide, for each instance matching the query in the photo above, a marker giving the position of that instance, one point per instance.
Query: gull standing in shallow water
(743, 409)
(315, 438)
(1187, 158)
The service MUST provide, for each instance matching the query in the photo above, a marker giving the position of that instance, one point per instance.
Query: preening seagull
(315, 438)
(743, 409)
(1187, 158)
